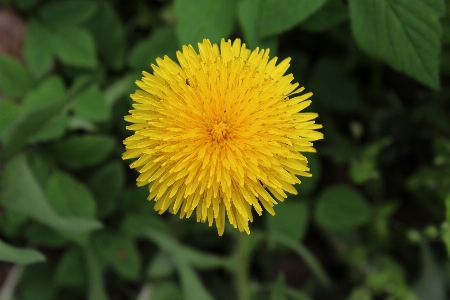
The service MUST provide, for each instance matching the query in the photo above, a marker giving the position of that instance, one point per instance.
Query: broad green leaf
(193, 288)
(77, 152)
(92, 105)
(12, 222)
(43, 235)
(387, 276)
(341, 207)
(95, 277)
(109, 33)
(26, 196)
(278, 289)
(41, 167)
(331, 87)
(360, 294)
(70, 271)
(166, 290)
(134, 200)
(431, 283)
(20, 256)
(37, 284)
(216, 22)
(365, 167)
(70, 197)
(248, 16)
(54, 130)
(161, 42)
(309, 183)
(141, 225)
(10, 111)
(405, 34)
(291, 219)
(303, 252)
(162, 266)
(119, 252)
(74, 46)
(15, 80)
(67, 12)
(50, 91)
(119, 89)
(37, 49)
(24, 127)
(107, 184)
(79, 123)
(276, 16)
(330, 15)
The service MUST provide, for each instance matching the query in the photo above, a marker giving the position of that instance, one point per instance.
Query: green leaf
(291, 219)
(166, 290)
(162, 266)
(193, 288)
(12, 222)
(216, 21)
(277, 16)
(92, 105)
(341, 208)
(74, 46)
(67, 12)
(15, 80)
(431, 284)
(109, 33)
(331, 87)
(387, 276)
(37, 284)
(95, 277)
(160, 43)
(15, 255)
(30, 123)
(277, 291)
(42, 235)
(26, 196)
(107, 184)
(69, 197)
(365, 167)
(37, 49)
(405, 34)
(76, 123)
(309, 183)
(119, 252)
(50, 91)
(77, 152)
(330, 15)
(303, 252)
(360, 294)
(10, 111)
(70, 270)
(248, 16)
(119, 89)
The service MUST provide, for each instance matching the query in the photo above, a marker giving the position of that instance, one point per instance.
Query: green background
(372, 222)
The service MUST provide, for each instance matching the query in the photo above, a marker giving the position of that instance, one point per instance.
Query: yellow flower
(220, 133)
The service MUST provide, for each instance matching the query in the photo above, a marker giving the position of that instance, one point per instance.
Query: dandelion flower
(220, 132)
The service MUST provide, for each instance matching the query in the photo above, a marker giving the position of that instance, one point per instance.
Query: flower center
(220, 131)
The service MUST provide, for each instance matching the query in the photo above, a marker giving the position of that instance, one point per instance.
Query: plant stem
(241, 268)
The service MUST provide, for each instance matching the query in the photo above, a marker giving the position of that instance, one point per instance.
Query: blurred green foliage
(372, 222)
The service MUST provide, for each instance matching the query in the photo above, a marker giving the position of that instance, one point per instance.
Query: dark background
(370, 224)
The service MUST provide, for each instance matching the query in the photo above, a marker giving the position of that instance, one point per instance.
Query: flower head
(220, 132)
